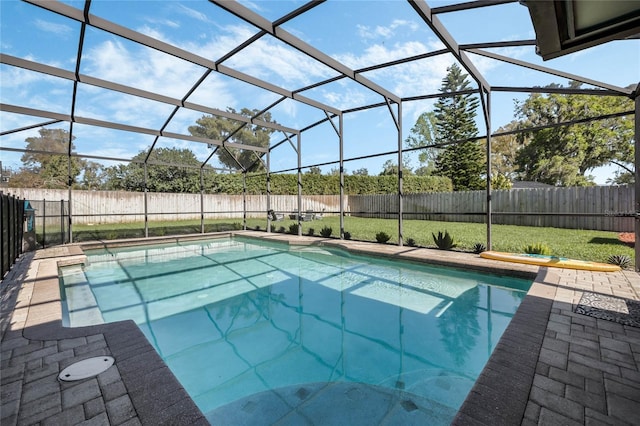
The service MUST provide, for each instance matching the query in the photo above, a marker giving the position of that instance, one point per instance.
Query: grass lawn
(572, 243)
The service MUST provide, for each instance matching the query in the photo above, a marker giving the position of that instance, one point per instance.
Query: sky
(356, 33)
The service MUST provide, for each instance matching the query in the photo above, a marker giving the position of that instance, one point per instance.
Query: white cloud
(50, 27)
(345, 99)
(268, 58)
(164, 22)
(145, 68)
(192, 13)
(34, 90)
(386, 32)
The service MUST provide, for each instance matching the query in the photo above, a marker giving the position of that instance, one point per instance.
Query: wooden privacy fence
(92, 207)
(597, 207)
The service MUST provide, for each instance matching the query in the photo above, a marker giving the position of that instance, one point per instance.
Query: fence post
(4, 255)
(201, 203)
(146, 213)
(244, 200)
(20, 226)
(44, 223)
(12, 230)
(637, 178)
(2, 236)
(62, 221)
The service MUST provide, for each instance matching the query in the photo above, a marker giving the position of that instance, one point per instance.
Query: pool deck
(552, 366)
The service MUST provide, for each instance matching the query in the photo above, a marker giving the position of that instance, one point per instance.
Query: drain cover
(86, 368)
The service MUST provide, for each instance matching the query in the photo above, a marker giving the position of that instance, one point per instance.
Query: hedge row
(287, 184)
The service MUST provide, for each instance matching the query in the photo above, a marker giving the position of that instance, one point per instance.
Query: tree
(504, 151)
(335, 171)
(361, 172)
(455, 115)
(390, 167)
(423, 134)
(42, 170)
(221, 128)
(93, 176)
(160, 178)
(314, 170)
(564, 155)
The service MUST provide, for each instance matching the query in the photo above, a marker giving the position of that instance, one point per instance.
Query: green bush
(287, 184)
(293, 229)
(444, 241)
(537, 248)
(311, 232)
(479, 248)
(411, 242)
(382, 237)
(622, 260)
(326, 232)
(347, 235)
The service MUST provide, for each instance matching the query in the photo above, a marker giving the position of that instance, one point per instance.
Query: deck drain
(86, 368)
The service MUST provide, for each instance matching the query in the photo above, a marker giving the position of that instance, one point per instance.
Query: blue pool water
(235, 317)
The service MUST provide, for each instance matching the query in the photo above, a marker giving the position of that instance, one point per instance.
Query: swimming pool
(234, 318)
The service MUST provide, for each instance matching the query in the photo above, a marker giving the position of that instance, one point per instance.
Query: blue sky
(356, 33)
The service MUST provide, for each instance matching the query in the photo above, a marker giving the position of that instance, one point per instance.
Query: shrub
(538, 248)
(479, 248)
(382, 237)
(293, 229)
(347, 235)
(326, 232)
(257, 228)
(411, 242)
(444, 241)
(311, 232)
(281, 230)
(622, 260)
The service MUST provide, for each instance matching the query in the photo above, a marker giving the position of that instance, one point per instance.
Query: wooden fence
(598, 207)
(92, 207)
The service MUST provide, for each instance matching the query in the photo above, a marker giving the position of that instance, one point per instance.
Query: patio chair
(308, 216)
(319, 216)
(275, 216)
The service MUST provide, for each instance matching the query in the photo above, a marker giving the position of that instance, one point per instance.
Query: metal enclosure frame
(265, 27)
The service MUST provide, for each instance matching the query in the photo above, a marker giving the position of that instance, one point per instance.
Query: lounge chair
(308, 216)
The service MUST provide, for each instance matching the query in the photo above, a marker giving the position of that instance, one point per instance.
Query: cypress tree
(462, 162)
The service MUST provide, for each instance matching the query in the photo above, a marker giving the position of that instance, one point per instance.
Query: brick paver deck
(551, 367)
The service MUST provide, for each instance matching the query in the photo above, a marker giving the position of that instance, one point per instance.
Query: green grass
(572, 243)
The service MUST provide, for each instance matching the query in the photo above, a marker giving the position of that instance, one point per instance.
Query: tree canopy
(423, 134)
(564, 155)
(455, 115)
(43, 170)
(160, 178)
(222, 128)
(390, 168)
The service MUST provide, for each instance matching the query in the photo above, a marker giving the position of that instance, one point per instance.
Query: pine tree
(462, 162)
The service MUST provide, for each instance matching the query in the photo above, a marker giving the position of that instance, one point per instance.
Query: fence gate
(51, 222)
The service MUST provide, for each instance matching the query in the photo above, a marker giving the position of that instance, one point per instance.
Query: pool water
(235, 317)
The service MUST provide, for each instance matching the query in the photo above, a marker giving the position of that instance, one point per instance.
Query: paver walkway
(137, 389)
(553, 366)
